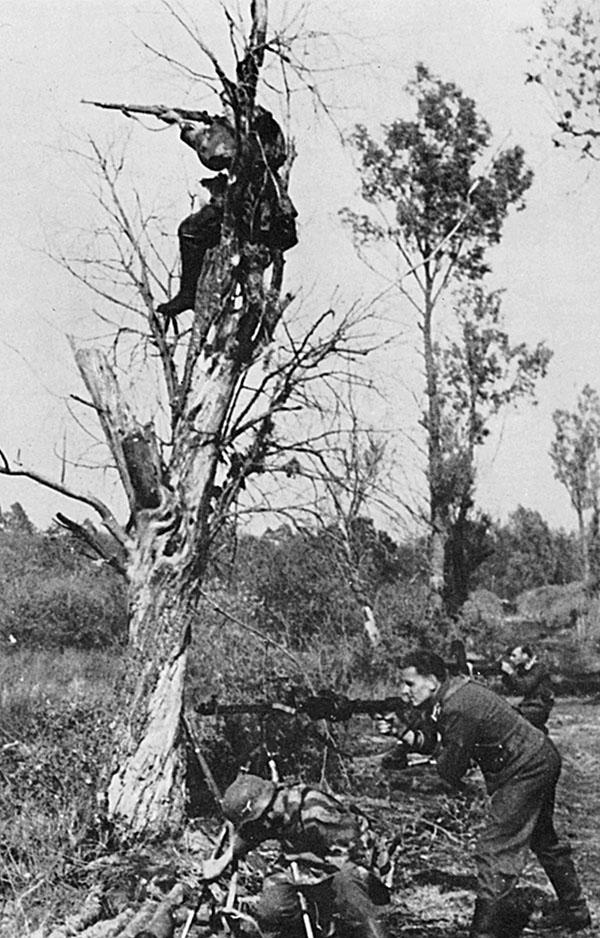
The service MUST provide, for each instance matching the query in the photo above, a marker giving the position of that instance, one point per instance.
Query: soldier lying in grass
(331, 861)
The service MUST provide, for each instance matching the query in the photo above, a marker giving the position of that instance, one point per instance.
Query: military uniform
(534, 683)
(264, 212)
(521, 767)
(328, 852)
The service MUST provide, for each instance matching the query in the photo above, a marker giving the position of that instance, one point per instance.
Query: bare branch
(107, 517)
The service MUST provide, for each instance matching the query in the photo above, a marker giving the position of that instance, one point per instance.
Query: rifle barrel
(156, 110)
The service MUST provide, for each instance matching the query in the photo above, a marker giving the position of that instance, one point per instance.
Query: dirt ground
(434, 877)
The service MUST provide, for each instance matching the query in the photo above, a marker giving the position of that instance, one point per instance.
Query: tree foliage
(445, 211)
(566, 61)
(53, 594)
(525, 553)
(440, 205)
(575, 454)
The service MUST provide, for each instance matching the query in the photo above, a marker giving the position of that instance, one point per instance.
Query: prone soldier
(330, 857)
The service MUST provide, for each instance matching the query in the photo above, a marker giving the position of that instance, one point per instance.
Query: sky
(53, 53)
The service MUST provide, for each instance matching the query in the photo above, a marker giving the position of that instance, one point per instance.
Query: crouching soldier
(332, 866)
(521, 767)
(524, 674)
(264, 212)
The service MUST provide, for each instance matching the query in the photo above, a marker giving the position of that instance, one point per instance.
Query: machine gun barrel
(214, 708)
(487, 668)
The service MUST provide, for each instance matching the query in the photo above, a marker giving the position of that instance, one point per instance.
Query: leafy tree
(525, 554)
(481, 373)
(16, 519)
(575, 453)
(436, 208)
(52, 594)
(566, 61)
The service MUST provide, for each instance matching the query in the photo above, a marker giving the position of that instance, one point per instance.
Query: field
(56, 731)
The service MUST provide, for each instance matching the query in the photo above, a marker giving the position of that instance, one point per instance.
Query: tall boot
(192, 252)
(572, 912)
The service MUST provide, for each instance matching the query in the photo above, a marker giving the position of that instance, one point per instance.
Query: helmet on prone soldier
(247, 799)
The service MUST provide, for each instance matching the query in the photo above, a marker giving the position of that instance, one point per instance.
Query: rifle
(156, 110)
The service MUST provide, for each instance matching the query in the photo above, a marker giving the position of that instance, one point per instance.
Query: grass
(56, 710)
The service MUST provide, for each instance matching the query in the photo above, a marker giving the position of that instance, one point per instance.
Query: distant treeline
(296, 586)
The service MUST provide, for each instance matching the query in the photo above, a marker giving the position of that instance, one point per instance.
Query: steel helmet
(247, 799)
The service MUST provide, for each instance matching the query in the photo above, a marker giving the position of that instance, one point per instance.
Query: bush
(54, 597)
(554, 607)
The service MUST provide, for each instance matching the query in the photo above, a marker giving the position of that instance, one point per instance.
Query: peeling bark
(149, 785)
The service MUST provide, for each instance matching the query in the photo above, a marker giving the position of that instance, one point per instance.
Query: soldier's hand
(170, 117)
(506, 667)
(385, 723)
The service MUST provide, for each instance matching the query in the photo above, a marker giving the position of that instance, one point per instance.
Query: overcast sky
(55, 52)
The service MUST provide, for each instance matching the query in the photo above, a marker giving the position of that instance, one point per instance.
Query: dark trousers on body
(350, 900)
(521, 818)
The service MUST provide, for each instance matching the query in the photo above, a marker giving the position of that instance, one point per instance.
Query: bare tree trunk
(438, 522)
(583, 543)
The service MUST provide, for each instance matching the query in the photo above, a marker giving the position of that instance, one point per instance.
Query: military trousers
(349, 901)
(521, 818)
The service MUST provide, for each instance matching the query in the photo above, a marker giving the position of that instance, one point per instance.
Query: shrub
(554, 607)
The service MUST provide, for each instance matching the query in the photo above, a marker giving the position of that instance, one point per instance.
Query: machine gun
(487, 669)
(326, 705)
(329, 705)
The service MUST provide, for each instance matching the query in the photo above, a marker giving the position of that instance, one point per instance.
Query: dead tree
(183, 468)
(172, 505)
(172, 499)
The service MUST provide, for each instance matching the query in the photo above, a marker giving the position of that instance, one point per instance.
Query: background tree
(566, 62)
(54, 592)
(440, 211)
(575, 453)
(525, 553)
(480, 373)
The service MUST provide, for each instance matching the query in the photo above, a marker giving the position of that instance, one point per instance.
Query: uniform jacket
(535, 684)
(321, 833)
(477, 725)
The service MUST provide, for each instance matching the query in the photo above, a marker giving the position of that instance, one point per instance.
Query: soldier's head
(247, 799)
(521, 654)
(422, 674)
